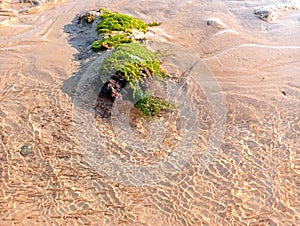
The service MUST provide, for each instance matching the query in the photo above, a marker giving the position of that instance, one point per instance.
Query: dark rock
(110, 90)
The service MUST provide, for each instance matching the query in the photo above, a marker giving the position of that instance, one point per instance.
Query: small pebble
(26, 149)
(216, 22)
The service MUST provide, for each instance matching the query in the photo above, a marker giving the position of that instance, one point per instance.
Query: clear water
(228, 156)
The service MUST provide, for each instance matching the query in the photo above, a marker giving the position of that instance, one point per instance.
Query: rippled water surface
(229, 155)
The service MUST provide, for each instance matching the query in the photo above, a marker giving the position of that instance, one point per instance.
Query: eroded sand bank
(49, 175)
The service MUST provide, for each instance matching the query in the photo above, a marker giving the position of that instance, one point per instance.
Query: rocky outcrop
(272, 12)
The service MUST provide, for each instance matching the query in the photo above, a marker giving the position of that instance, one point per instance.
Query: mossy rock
(135, 65)
(130, 63)
(135, 61)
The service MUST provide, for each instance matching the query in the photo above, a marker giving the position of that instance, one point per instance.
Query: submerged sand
(52, 144)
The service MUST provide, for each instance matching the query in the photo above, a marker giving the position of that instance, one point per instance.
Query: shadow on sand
(85, 84)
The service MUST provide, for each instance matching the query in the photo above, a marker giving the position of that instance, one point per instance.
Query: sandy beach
(229, 155)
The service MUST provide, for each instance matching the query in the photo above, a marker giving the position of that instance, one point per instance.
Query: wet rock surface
(272, 12)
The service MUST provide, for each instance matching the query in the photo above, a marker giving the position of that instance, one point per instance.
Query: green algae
(153, 24)
(151, 105)
(119, 27)
(111, 21)
(111, 41)
(135, 62)
(130, 63)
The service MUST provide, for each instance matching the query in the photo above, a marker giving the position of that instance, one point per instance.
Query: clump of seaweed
(110, 41)
(153, 24)
(119, 28)
(134, 64)
(131, 63)
(151, 105)
(111, 21)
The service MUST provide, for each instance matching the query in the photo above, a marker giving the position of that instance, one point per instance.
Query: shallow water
(233, 152)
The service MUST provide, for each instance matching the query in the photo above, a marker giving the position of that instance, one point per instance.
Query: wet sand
(49, 161)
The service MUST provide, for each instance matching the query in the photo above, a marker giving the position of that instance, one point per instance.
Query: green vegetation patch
(119, 27)
(111, 41)
(154, 24)
(130, 63)
(111, 21)
(135, 62)
(153, 106)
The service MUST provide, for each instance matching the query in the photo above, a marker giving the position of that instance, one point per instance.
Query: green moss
(135, 62)
(119, 22)
(111, 41)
